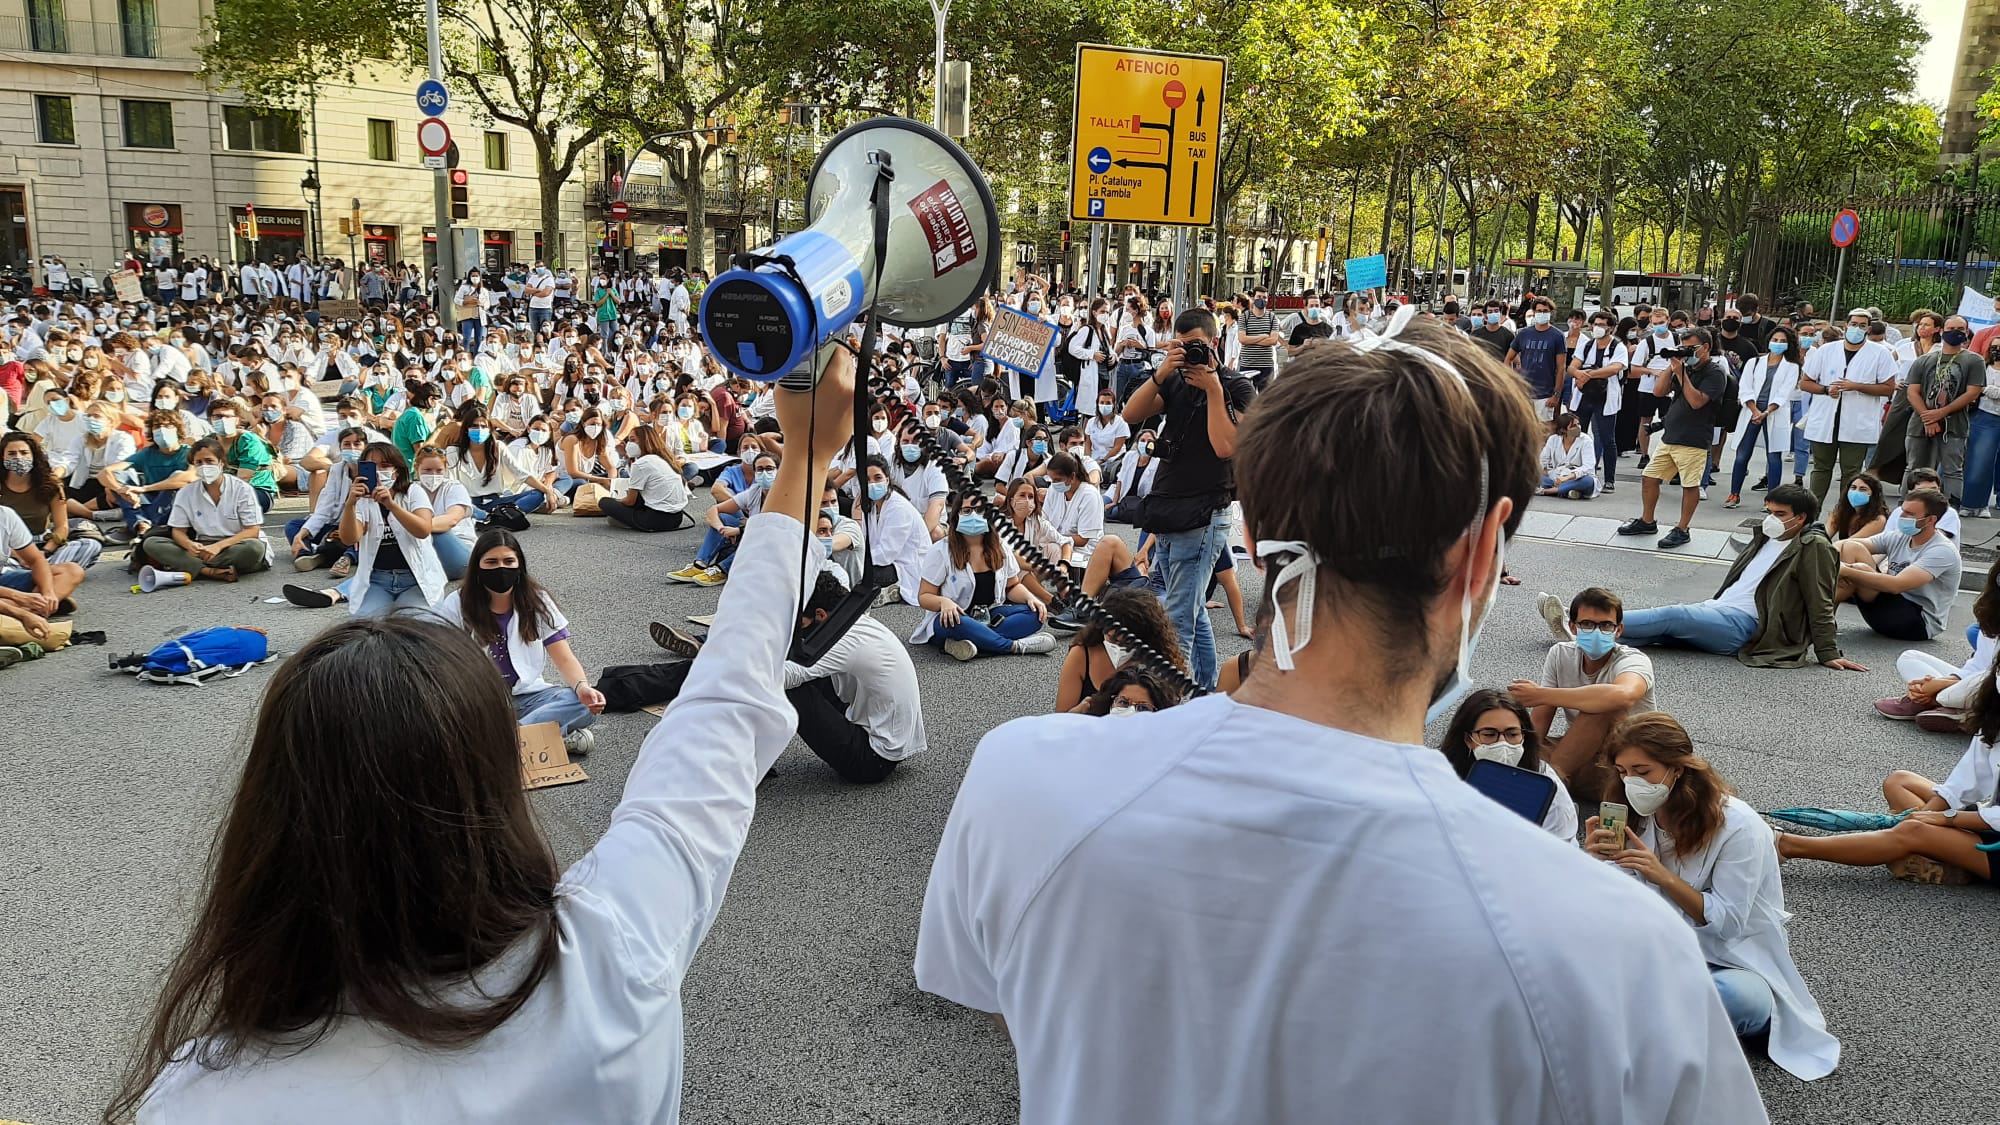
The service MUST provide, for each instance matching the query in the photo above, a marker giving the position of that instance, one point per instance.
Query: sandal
(307, 598)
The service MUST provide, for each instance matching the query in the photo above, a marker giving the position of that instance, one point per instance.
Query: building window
(139, 29)
(489, 56)
(496, 151)
(381, 139)
(55, 120)
(148, 124)
(245, 129)
(48, 30)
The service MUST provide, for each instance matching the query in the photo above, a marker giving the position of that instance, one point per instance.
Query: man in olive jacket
(1776, 601)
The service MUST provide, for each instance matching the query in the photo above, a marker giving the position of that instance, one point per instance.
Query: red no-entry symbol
(1846, 227)
(1173, 93)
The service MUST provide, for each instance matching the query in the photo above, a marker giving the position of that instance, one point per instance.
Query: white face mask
(1504, 752)
(632, 450)
(592, 429)
(1118, 653)
(209, 472)
(431, 481)
(1773, 527)
(1121, 710)
(538, 437)
(1646, 797)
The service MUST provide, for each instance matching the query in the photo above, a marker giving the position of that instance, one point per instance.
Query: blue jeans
(1604, 431)
(152, 508)
(713, 544)
(1707, 627)
(472, 331)
(1186, 559)
(1982, 453)
(528, 500)
(453, 553)
(1745, 997)
(1774, 469)
(1575, 486)
(538, 318)
(553, 705)
(1801, 449)
(388, 591)
(1015, 622)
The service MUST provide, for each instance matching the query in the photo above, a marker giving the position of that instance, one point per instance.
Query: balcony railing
(665, 197)
(135, 40)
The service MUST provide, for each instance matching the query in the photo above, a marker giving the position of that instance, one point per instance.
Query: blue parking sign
(1096, 208)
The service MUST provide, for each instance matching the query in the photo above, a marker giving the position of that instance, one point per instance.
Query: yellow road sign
(1144, 136)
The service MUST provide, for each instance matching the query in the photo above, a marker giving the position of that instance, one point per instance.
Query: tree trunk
(1534, 221)
(1607, 195)
(694, 189)
(1121, 242)
(1389, 202)
(550, 181)
(1499, 237)
(1470, 202)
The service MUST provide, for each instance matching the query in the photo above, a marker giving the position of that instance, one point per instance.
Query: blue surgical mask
(1596, 645)
(1857, 499)
(912, 452)
(1104, 409)
(1907, 525)
(478, 436)
(1041, 448)
(972, 523)
(351, 456)
(877, 489)
(1493, 318)
(826, 544)
(1856, 334)
(1662, 330)
(767, 478)
(1778, 347)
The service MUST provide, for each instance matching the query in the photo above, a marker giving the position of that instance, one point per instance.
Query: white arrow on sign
(433, 136)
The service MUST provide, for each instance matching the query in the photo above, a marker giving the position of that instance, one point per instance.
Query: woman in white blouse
(1569, 463)
(977, 600)
(480, 460)
(896, 532)
(1491, 725)
(1765, 390)
(658, 497)
(1712, 856)
(914, 471)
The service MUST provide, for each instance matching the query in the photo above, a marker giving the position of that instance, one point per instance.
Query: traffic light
(461, 204)
(1064, 228)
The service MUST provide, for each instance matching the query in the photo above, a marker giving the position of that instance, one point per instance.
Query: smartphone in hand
(365, 471)
(1612, 817)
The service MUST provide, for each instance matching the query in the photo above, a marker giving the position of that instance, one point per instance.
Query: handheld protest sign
(544, 762)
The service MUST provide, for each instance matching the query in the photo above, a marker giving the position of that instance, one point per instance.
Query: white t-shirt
(1078, 511)
(1230, 913)
(660, 487)
(1564, 669)
(1103, 433)
(872, 672)
(14, 533)
(1741, 595)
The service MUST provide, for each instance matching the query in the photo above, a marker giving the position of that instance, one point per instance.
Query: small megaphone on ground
(903, 227)
(151, 579)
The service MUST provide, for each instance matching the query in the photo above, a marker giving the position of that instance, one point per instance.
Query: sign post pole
(440, 188)
(1094, 264)
(1846, 228)
(1180, 285)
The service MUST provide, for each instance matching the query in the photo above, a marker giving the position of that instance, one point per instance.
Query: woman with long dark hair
(384, 935)
(390, 525)
(1492, 725)
(973, 589)
(507, 612)
(1093, 657)
(1712, 856)
(1859, 511)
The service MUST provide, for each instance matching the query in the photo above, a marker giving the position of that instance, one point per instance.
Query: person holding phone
(1712, 857)
(1492, 726)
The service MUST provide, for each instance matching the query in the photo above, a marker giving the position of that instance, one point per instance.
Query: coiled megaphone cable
(1052, 571)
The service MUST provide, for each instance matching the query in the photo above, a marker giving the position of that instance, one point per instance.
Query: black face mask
(499, 579)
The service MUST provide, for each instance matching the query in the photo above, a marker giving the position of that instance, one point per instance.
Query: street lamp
(310, 186)
(940, 12)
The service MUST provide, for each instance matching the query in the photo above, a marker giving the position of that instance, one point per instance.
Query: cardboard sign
(125, 284)
(339, 310)
(1019, 342)
(544, 762)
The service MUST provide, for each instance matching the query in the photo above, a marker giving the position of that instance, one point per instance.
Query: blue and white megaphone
(902, 221)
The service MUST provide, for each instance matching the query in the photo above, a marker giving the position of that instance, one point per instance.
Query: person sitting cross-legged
(1594, 681)
(1775, 603)
(1904, 579)
(1939, 696)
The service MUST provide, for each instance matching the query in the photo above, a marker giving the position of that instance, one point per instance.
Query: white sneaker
(1041, 644)
(961, 650)
(579, 742)
(1552, 611)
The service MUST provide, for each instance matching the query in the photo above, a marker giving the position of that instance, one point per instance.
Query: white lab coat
(898, 536)
(1744, 902)
(1578, 460)
(956, 584)
(1860, 414)
(419, 553)
(1975, 781)
(600, 1040)
(1785, 381)
(530, 657)
(1178, 912)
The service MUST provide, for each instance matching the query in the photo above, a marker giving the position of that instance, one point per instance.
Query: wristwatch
(1951, 814)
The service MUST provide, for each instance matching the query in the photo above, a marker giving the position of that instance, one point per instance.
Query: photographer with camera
(1699, 384)
(1187, 510)
(1943, 384)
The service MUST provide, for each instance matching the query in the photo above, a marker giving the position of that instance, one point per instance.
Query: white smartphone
(1611, 816)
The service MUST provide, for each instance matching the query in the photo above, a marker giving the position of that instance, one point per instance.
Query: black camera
(1164, 448)
(1676, 353)
(1196, 353)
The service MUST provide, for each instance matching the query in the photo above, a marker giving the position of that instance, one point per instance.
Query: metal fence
(1914, 250)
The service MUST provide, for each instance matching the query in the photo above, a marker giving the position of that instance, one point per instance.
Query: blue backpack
(202, 655)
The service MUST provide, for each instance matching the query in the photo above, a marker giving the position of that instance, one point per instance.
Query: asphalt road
(801, 1007)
